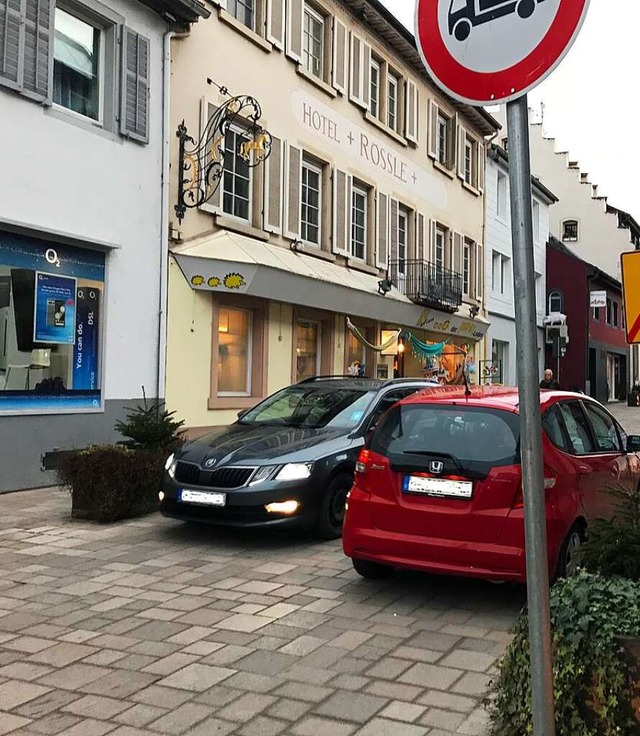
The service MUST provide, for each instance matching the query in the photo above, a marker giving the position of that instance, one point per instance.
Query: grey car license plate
(203, 498)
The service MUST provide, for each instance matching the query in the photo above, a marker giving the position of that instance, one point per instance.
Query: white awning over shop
(230, 263)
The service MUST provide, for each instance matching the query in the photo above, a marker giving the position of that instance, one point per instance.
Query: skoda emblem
(210, 462)
(436, 466)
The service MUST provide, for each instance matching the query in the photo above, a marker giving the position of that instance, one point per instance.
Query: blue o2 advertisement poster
(51, 317)
(55, 309)
(85, 356)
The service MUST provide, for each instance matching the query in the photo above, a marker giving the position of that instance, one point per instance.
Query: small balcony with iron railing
(427, 284)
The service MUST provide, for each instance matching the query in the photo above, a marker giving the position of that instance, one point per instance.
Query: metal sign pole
(530, 419)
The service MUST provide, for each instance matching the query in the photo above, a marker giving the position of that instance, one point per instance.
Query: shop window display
(50, 326)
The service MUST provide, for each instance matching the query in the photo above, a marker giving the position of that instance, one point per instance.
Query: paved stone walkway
(628, 416)
(155, 627)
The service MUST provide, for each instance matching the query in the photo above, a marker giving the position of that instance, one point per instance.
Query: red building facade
(597, 355)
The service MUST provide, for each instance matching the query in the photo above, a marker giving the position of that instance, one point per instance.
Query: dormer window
(570, 231)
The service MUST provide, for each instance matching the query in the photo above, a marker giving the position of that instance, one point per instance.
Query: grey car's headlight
(170, 466)
(295, 471)
(262, 474)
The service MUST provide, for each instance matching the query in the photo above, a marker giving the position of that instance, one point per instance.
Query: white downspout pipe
(164, 216)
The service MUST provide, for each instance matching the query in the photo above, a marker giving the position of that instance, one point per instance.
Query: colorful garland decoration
(361, 338)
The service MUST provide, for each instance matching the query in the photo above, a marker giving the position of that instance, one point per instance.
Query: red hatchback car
(438, 486)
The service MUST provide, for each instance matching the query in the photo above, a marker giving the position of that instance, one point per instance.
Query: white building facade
(82, 107)
(500, 365)
(583, 220)
(369, 211)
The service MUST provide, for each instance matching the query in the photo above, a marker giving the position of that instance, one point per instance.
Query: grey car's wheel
(526, 8)
(371, 570)
(569, 558)
(331, 514)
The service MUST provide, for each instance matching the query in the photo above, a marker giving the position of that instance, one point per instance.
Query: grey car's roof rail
(313, 379)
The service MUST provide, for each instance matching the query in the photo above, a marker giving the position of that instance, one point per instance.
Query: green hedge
(595, 680)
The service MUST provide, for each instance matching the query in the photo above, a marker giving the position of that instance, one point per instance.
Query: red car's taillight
(368, 466)
(550, 479)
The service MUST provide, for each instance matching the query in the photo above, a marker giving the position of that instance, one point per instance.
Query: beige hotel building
(374, 174)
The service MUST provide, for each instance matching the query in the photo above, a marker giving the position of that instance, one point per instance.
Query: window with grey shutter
(26, 46)
(293, 174)
(37, 47)
(456, 264)
(340, 56)
(341, 212)
(393, 228)
(411, 112)
(294, 29)
(355, 87)
(479, 271)
(421, 255)
(134, 93)
(382, 250)
(276, 19)
(273, 185)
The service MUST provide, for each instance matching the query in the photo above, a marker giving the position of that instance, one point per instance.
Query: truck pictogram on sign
(465, 14)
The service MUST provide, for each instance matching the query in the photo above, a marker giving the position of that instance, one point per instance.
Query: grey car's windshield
(312, 407)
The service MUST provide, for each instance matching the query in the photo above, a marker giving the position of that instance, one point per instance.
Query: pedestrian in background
(549, 381)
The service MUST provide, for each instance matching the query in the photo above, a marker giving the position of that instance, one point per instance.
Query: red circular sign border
(487, 88)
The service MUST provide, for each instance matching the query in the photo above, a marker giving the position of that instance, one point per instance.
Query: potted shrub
(613, 545)
(595, 679)
(112, 482)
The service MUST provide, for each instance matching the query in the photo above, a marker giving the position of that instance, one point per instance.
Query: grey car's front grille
(227, 478)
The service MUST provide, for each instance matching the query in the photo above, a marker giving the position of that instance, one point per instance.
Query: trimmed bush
(109, 483)
(113, 482)
(613, 545)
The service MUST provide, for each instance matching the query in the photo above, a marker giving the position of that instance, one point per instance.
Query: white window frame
(501, 198)
(249, 376)
(377, 66)
(76, 12)
(553, 295)
(310, 12)
(393, 82)
(577, 236)
(468, 162)
(254, 10)
(440, 244)
(238, 132)
(499, 273)
(358, 190)
(442, 153)
(315, 168)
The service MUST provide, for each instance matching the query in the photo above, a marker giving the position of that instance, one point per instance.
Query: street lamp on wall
(201, 162)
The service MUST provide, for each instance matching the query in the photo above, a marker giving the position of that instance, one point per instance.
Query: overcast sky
(592, 101)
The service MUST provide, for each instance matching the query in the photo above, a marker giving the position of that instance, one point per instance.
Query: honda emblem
(436, 466)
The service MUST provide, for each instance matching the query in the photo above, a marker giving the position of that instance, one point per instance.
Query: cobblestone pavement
(628, 416)
(154, 627)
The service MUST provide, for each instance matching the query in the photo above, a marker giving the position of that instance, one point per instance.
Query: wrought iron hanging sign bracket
(201, 162)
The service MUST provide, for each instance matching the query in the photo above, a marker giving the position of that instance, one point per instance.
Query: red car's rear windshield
(475, 436)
